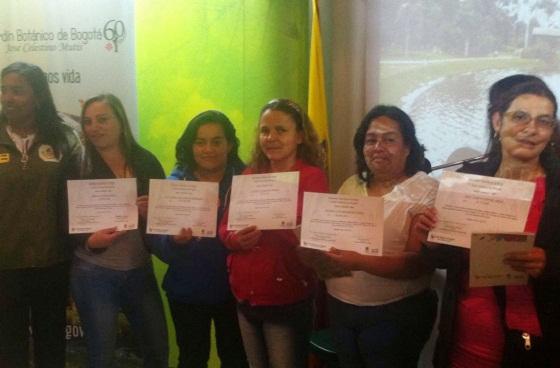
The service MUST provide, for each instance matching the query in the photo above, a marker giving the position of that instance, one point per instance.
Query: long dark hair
(415, 161)
(532, 87)
(308, 151)
(48, 121)
(127, 142)
(184, 146)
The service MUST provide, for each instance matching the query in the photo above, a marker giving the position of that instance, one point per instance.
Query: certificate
(472, 203)
(102, 203)
(175, 204)
(268, 201)
(487, 254)
(342, 221)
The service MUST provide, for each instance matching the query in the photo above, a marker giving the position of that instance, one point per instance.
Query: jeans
(276, 336)
(389, 335)
(36, 297)
(192, 326)
(101, 293)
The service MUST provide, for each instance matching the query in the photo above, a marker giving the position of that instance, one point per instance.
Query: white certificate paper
(268, 201)
(175, 204)
(342, 221)
(472, 203)
(487, 254)
(102, 203)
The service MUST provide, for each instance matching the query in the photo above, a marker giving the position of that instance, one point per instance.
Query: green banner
(228, 55)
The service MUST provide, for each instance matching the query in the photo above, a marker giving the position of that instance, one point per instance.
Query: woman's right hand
(184, 236)
(248, 237)
(104, 238)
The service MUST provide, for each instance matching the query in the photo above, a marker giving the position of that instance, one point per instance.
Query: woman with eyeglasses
(474, 322)
(273, 288)
(112, 270)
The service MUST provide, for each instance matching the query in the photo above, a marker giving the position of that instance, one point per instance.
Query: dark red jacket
(271, 273)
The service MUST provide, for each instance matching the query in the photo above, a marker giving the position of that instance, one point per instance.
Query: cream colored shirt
(405, 200)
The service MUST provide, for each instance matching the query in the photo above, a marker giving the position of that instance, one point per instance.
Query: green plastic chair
(322, 346)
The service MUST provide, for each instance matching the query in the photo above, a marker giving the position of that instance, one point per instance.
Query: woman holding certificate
(112, 270)
(37, 154)
(273, 288)
(479, 325)
(196, 281)
(382, 315)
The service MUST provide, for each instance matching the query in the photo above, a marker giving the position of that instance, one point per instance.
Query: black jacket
(33, 220)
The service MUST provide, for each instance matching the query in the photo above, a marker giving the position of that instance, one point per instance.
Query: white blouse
(405, 200)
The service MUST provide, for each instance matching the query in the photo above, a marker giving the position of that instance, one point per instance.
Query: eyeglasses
(524, 118)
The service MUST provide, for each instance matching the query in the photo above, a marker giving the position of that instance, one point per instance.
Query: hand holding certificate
(102, 204)
(472, 203)
(177, 204)
(487, 267)
(267, 201)
(342, 221)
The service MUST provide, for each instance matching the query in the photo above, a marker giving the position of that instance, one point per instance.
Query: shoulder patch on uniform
(46, 153)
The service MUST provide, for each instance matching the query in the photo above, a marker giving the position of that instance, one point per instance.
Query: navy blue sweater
(197, 272)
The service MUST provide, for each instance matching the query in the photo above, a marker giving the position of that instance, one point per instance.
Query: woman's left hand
(532, 261)
(424, 221)
(142, 204)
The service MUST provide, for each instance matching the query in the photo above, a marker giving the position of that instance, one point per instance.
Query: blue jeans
(276, 336)
(389, 335)
(101, 293)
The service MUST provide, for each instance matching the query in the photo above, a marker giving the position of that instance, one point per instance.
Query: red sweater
(271, 273)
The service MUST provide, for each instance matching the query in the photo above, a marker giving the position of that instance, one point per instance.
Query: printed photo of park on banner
(84, 49)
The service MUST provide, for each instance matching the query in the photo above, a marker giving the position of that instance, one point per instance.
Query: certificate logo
(369, 250)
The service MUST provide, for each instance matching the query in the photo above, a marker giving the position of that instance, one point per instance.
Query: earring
(496, 135)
